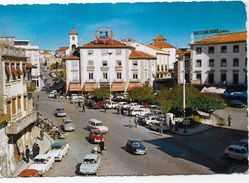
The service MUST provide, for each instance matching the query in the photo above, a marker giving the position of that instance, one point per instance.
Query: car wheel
(226, 155)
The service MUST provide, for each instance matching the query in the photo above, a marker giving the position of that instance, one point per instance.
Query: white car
(58, 150)
(52, 94)
(42, 163)
(236, 152)
(60, 112)
(135, 105)
(140, 111)
(112, 105)
(124, 105)
(97, 124)
(90, 165)
(68, 125)
(151, 119)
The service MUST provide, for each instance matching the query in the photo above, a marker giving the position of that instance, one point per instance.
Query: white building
(16, 103)
(220, 59)
(32, 52)
(162, 57)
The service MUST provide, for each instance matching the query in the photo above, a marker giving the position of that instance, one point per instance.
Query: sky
(48, 25)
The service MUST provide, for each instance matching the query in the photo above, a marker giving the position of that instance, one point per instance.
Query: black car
(135, 147)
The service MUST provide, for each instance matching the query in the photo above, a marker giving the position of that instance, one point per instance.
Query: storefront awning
(74, 87)
(118, 86)
(89, 87)
(134, 85)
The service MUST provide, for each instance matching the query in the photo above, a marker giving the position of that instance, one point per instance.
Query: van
(97, 124)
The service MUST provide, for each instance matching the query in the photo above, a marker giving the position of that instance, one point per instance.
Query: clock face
(103, 34)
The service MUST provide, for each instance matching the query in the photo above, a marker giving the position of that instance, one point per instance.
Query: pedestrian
(37, 148)
(122, 110)
(130, 122)
(105, 107)
(102, 146)
(136, 121)
(118, 109)
(41, 133)
(229, 120)
(83, 108)
(161, 129)
(37, 97)
(79, 104)
(170, 124)
(27, 154)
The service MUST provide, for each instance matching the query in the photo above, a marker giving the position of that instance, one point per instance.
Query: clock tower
(73, 40)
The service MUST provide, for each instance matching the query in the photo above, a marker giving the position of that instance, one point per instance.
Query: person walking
(160, 129)
(27, 154)
(170, 124)
(136, 121)
(130, 122)
(34, 150)
(83, 108)
(37, 149)
(229, 120)
(102, 146)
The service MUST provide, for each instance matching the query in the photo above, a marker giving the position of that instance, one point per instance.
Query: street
(167, 155)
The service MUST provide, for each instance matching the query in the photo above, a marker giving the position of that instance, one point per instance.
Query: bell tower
(73, 40)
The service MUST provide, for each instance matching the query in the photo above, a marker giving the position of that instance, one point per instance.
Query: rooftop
(73, 32)
(64, 48)
(140, 55)
(110, 44)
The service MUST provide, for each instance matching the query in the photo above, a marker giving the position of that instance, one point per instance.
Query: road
(167, 155)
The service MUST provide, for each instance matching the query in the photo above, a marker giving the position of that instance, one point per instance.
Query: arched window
(73, 48)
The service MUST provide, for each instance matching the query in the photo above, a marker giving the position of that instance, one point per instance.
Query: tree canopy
(101, 93)
(142, 94)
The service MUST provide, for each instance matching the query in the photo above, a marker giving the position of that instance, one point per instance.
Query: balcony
(134, 80)
(90, 68)
(118, 68)
(104, 68)
(12, 51)
(17, 126)
(104, 80)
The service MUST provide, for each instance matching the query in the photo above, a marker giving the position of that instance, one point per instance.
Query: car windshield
(60, 110)
(136, 144)
(40, 161)
(68, 122)
(89, 161)
(99, 124)
(56, 147)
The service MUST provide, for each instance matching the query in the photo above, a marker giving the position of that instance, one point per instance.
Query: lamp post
(110, 89)
(184, 94)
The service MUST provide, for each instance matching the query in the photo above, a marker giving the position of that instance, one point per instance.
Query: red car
(95, 136)
(99, 105)
(29, 173)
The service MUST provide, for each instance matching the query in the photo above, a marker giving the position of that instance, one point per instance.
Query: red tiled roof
(224, 38)
(63, 48)
(162, 45)
(73, 32)
(111, 44)
(140, 55)
(159, 38)
(153, 47)
(71, 57)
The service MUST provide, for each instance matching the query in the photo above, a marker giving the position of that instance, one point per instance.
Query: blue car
(135, 147)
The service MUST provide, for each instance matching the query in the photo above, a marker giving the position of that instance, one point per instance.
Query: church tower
(73, 40)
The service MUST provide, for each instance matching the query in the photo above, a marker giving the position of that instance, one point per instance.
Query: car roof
(28, 173)
(135, 140)
(237, 146)
(91, 156)
(41, 156)
(58, 144)
(95, 120)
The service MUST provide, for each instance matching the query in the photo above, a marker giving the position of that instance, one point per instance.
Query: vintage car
(111, 105)
(42, 163)
(68, 125)
(236, 152)
(58, 150)
(135, 147)
(99, 105)
(29, 173)
(90, 165)
(97, 124)
(60, 112)
(95, 136)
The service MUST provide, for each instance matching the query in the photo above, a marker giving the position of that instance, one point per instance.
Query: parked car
(52, 94)
(90, 165)
(42, 163)
(68, 124)
(29, 173)
(236, 152)
(151, 119)
(236, 103)
(97, 124)
(154, 126)
(124, 105)
(99, 105)
(111, 105)
(243, 143)
(95, 136)
(140, 111)
(60, 112)
(133, 105)
(135, 147)
(118, 98)
(58, 150)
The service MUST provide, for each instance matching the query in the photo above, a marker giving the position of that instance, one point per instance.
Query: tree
(101, 93)
(142, 94)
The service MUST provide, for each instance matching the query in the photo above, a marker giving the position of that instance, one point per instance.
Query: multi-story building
(32, 53)
(16, 103)
(220, 59)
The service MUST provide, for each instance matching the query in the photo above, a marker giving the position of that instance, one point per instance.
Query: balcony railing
(104, 68)
(90, 68)
(12, 51)
(17, 126)
(118, 68)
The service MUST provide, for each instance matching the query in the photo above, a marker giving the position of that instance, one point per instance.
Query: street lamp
(184, 94)
(110, 89)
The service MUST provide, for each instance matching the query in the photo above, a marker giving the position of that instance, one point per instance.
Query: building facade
(220, 59)
(17, 103)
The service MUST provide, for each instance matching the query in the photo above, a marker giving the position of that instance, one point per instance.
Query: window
(235, 48)
(235, 62)
(211, 62)
(73, 38)
(9, 107)
(104, 63)
(135, 63)
(198, 63)
(198, 50)
(91, 75)
(19, 103)
(223, 62)
(104, 75)
(162, 67)
(134, 76)
(13, 71)
(198, 76)
(211, 50)
(90, 52)
(7, 72)
(104, 52)
(235, 78)
(118, 52)
(90, 62)
(211, 78)
(223, 77)
(223, 49)
(119, 75)
(24, 103)
(13, 105)
(165, 67)
(158, 67)
(119, 62)
(19, 72)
